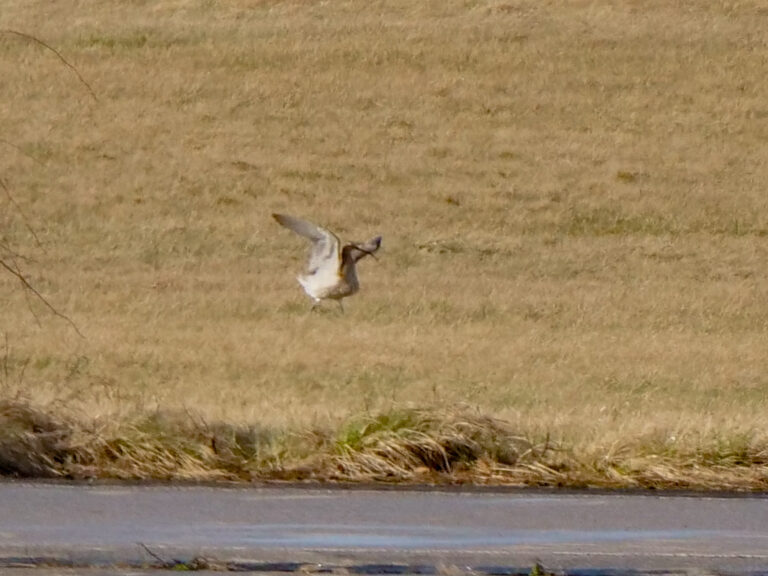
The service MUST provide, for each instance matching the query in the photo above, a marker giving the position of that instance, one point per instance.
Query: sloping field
(572, 280)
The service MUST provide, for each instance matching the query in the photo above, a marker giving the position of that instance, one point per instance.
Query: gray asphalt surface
(291, 529)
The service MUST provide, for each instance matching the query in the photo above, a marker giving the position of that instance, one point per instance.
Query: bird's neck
(349, 272)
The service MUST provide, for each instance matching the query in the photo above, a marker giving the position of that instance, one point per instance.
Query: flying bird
(331, 271)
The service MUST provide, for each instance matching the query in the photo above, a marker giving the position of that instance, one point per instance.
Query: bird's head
(358, 250)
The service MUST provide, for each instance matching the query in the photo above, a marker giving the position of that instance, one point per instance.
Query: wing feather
(325, 254)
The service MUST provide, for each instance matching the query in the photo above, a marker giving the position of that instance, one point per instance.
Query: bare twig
(20, 150)
(28, 300)
(154, 555)
(8, 258)
(12, 254)
(12, 200)
(25, 283)
(12, 260)
(64, 60)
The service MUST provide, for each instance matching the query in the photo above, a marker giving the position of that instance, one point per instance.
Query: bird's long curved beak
(366, 251)
(369, 247)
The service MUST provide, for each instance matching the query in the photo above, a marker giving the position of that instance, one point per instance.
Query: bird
(332, 268)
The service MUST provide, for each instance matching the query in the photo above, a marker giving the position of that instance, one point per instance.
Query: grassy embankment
(572, 287)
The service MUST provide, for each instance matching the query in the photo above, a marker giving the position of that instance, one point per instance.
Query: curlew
(332, 268)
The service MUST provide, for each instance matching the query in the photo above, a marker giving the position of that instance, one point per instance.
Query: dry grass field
(572, 287)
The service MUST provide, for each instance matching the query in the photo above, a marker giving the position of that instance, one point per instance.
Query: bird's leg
(341, 306)
(315, 305)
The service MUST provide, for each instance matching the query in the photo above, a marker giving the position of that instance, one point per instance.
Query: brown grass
(402, 445)
(571, 195)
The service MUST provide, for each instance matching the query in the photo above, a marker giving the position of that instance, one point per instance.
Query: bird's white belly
(328, 284)
(319, 285)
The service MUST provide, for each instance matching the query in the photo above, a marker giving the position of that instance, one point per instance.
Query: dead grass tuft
(41, 442)
(33, 443)
(403, 445)
(408, 443)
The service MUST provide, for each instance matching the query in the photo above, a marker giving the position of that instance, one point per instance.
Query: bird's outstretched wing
(325, 253)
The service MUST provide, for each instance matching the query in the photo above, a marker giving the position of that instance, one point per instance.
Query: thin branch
(20, 150)
(64, 60)
(23, 216)
(12, 255)
(40, 297)
(13, 258)
(154, 555)
(28, 300)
